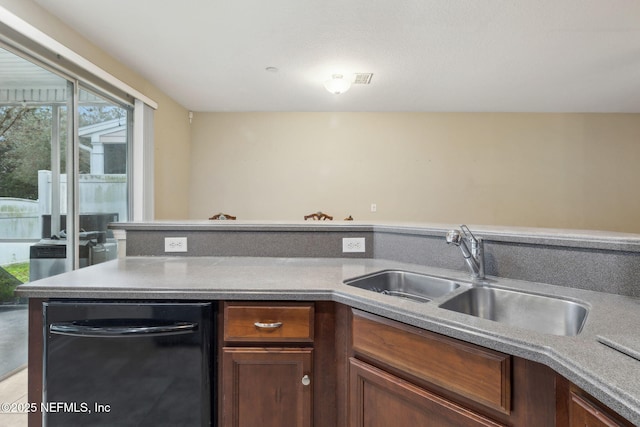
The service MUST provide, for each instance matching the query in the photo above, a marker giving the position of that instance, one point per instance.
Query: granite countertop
(588, 360)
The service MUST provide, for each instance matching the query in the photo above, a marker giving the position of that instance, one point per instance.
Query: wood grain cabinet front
(585, 411)
(260, 322)
(267, 364)
(471, 371)
(267, 387)
(380, 399)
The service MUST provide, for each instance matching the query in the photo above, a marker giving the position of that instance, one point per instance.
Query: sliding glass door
(65, 154)
(35, 137)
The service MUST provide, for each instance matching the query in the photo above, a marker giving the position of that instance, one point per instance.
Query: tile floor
(14, 390)
(13, 357)
(13, 338)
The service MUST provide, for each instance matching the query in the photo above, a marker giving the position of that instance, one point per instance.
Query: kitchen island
(275, 274)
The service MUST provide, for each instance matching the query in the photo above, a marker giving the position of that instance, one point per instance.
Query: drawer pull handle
(306, 380)
(274, 325)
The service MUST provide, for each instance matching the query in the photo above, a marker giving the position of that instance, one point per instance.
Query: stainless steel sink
(548, 315)
(404, 284)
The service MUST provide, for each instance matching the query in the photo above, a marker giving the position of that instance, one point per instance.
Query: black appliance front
(128, 364)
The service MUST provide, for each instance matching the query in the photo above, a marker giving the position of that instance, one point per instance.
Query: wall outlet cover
(175, 244)
(353, 244)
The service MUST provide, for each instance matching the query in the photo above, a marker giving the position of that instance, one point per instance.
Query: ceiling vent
(362, 78)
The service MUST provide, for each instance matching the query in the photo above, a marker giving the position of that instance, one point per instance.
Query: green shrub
(19, 270)
(8, 283)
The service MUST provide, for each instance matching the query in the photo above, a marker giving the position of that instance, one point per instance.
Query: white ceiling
(426, 55)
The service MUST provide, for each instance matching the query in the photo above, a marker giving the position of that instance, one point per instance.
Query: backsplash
(602, 262)
(603, 270)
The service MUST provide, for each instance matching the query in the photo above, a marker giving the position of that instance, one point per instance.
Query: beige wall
(172, 131)
(539, 170)
(545, 170)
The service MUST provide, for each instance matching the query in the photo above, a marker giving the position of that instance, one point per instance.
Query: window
(66, 165)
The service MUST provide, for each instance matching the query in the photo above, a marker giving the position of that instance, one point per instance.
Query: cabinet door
(379, 399)
(266, 387)
(585, 414)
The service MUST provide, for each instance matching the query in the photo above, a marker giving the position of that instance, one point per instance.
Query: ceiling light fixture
(337, 84)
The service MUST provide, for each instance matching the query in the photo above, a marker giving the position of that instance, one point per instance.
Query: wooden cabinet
(576, 408)
(416, 377)
(473, 372)
(584, 413)
(267, 387)
(379, 399)
(388, 385)
(267, 365)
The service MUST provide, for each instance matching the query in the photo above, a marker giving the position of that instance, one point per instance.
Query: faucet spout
(474, 257)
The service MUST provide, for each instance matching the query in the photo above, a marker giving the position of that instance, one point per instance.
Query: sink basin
(404, 284)
(547, 315)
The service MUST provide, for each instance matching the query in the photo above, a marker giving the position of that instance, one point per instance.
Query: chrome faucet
(474, 257)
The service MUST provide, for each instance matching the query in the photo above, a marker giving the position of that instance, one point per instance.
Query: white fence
(97, 193)
(21, 220)
(19, 228)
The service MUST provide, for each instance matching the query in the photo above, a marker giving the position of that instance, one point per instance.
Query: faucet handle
(454, 236)
(475, 243)
(468, 234)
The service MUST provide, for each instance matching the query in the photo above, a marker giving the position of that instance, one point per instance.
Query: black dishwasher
(123, 363)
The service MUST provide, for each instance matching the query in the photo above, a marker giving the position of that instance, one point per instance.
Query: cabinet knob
(306, 380)
(274, 325)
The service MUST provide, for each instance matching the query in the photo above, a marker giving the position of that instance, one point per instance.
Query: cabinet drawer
(474, 372)
(282, 322)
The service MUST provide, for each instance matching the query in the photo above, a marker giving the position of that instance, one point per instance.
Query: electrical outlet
(353, 244)
(175, 244)
(374, 207)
